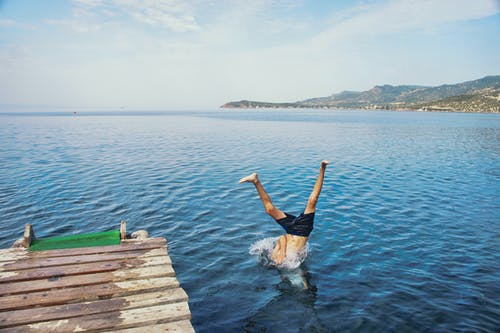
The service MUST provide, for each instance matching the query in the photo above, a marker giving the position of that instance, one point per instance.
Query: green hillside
(482, 95)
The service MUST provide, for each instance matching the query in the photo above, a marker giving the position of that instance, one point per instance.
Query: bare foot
(324, 163)
(253, 178)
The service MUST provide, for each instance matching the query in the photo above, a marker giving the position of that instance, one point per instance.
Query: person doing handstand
(297, 228)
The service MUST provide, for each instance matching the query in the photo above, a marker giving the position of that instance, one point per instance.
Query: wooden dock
(126, 288)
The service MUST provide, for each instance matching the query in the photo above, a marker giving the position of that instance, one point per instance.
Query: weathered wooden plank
(111, 320)
(96, 267)
(87, 293)
(34, 315)
(129, 287)
(33, 262)
(13, 254)
(183, 326)
(84, 279)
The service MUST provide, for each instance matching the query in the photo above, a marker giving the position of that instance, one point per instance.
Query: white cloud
(173, 15)
(90, 3)
(164, 17)
(76, 25)
(399, 16)
(7, 23)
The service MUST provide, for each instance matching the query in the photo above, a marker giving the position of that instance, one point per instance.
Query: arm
(279, 251)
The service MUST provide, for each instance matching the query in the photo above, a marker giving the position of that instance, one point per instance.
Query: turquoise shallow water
(406, 234)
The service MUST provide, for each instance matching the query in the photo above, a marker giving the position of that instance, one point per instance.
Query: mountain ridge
(481, 95)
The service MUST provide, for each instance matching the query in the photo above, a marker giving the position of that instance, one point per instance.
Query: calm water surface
(406, 234)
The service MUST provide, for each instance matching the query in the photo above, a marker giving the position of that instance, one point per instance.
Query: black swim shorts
(301, 225)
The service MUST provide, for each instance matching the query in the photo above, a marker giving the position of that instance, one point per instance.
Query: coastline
(477, 96)
(436, 109)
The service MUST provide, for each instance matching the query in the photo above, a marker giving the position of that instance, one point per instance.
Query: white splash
(264, 247)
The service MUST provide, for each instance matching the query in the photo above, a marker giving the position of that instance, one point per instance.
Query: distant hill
(481, 95)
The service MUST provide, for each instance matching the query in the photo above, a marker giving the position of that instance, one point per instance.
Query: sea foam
(264, 247)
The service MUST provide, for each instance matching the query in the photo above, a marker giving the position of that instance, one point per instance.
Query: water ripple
(406, 232)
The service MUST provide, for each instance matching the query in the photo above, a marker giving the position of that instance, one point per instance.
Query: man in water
(297, 228)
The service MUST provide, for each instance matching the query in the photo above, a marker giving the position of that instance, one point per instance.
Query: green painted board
(73, 241)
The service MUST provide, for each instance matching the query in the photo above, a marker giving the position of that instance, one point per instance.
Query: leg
(274, 212)
(313, 198)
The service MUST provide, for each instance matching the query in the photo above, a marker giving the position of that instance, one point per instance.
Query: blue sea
(407, 228)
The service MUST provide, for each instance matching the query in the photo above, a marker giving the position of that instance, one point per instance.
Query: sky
(200, 54)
